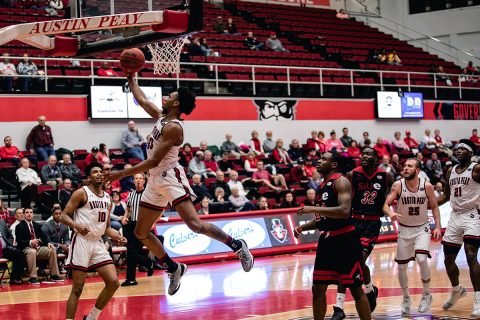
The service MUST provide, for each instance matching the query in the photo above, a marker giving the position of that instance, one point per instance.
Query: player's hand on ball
(83, 230)
(437, 233)
(297, 231)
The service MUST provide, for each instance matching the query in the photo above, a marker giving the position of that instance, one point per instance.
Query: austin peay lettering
(98, 204)
(414, 200)
(459, 180)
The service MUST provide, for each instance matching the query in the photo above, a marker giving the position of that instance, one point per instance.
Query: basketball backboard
(105, 25)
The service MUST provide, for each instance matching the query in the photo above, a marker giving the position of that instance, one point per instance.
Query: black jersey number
(414, 211)
(102, 216)
(150, 143)
(457, 192)
(369, 197)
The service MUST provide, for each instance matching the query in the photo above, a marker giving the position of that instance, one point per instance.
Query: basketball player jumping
(168, 183)
(339, 253)
(463, 191)
(88, 213)
(370, 186)
(414, 196)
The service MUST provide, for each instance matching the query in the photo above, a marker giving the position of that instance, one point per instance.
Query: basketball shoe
(245, 256)
(372, 298)
(338, 314)
(406, 304)
(425, 303)
(175, 278)
(476, 309)
(454, 297)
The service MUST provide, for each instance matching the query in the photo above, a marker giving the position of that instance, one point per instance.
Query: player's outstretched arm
(392, 196)
(141, 98)
(77, 200)
(445, 196)
(432, 201)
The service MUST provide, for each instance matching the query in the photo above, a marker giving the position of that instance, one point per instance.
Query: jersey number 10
(102, 216)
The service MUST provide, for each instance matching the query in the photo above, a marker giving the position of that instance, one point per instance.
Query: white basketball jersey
(171, 158)
(93, 214)
(413, 206)
(464, 191)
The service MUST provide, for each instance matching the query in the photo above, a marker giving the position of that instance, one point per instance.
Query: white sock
(477, 295)
(456, 288)
(403, 278)
(340, 300)
(369, 287)
(426, 287)
(94, 314)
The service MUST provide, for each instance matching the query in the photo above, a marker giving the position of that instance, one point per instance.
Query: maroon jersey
(327, 197)
(369, 193)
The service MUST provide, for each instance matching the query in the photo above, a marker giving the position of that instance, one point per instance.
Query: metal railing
(217, 81)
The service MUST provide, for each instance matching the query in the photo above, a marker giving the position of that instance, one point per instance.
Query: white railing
(216, 69)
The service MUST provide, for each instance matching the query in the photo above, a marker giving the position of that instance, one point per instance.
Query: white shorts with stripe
(412, 241)
(86, 254)
(463, 227)
(168, 187)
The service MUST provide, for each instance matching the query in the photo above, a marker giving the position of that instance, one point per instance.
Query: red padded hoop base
(173, 22)
(64, 47)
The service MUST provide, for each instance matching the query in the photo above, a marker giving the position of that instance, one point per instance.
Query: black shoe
(128, 283)
(372, 298)
(14, 282)
(33, 281)
(56, 278)
(142, 269)
(150, 268)
(338, 314)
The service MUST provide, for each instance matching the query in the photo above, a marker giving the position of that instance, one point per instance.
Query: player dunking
(168, 183)
(370, 186)
(90, 209)
(463, 191)
(413, 196)
(339, 253)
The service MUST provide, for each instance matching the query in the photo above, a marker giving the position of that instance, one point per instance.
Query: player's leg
(405, 253)
(338, 312)
(319, 301)
(109, 276)
(422, 252)
(471, 251)
(78, 278)
(361, 302)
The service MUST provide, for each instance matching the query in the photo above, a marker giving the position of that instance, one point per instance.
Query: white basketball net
(166, 55)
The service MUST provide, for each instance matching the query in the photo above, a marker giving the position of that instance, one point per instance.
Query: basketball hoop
(166, 55)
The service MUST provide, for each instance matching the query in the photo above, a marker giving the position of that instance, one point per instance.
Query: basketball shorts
(338, 260)
(168, 187)
(462, 227)
(412, 241)
(368, 231)
(86, 254)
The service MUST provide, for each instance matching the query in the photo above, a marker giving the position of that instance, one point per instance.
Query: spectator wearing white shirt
(428, 140)
(239, 202)
(54, 5)
(8, 71)
(235, 183)
(28, 180)
(197, 166)
(251, 162)
(438, 189)
(18, 218)
(399, 143)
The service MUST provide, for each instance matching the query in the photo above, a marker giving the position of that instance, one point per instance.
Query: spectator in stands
(315, 181)
(475, 138)
(443, 76)
(210, 163)
(240, 202)
(334, 144)
(443, 146)
(419, 157)
(395, 162)
(18, 218)
(132, 141)
(201, 191)
(92, 156)
(8, 251)
(127, 184)
(40, 140)
(5, 213)
(233, 182)
(225, 164)
(252, 42)
(231, 27)
(311, 198)
(365, 136)
(470, 68)
(429, 141)
(393, 58)
(195, 47)
(203, 146)
(411, 142)
(220, 25)
(264, 177)
(382, 56)
(367, 143)
(34, 243)
(186, 154)
(57, 233)
(51, 173)
(230, 147)
(219, 195)
(380, 148)
(26, 68)
(65, 193)
(204, 207)
(312, 155)
(289, 201)
(434, 168)
(118, 210)
(70, 171)
(314, 142)
(250, 164)
(341, 14)
(54, 5)
(262, 204)
(345, 138)
(385, 165)
(102, 155)
(438, 189)
(206, 50)
(268, 144)
(298, 173)
(354, 151)
(399, 143)
(28, 180)
(197, 166)
(9, 152)
(7, 69)
(220, 183)
(373, 56)
(255, 144)
(295, 151)
(465, 76)
(280, 154)
(274, 44)
(107, 71)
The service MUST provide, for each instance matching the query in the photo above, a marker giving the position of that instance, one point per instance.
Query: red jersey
(369, 192)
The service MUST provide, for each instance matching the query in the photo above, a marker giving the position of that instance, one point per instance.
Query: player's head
(464, 150)
(329, 162)
(182, 99)
(411, 169)
(369, 157)
(94, 174)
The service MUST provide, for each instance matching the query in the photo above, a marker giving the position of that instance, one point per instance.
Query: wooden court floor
(277, 288)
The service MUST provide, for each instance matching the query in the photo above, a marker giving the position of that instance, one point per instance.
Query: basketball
(132, 60)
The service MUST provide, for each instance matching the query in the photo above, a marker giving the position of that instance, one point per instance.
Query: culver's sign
(179, 239)
(249, 230)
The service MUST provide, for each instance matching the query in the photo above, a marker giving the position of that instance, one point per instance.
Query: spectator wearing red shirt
(186, 154)
(264, 177)
(209, 162)
(9, 152)
(92, 156)
(309, 167)
(354, 151)
(474, 138)
(298, 172)
(411, 142)
(251, 162)
(256, 144)
(279, 154)
(381, 149)
(470, 68)
(40, 140)
(315, 143)
(106, 71)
